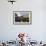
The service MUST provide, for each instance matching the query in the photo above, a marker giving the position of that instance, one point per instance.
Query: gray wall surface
(9, 31)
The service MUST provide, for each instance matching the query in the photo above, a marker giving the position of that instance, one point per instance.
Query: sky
(9, 31)
(23, 13)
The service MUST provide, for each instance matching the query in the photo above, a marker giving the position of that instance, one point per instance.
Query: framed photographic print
(22, 17)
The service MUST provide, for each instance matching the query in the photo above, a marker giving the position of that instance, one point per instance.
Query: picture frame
(22, 17)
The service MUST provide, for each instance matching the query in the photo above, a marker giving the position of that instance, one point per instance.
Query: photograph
(22, 17)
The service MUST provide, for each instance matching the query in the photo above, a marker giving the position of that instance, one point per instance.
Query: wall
(9, 31)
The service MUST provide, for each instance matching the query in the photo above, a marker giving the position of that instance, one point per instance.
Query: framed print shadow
(22, 17)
